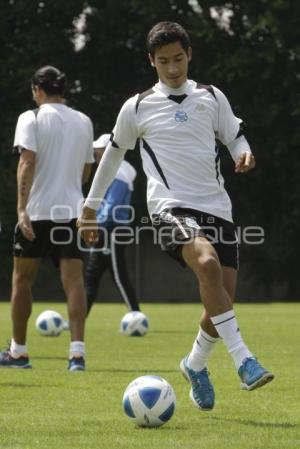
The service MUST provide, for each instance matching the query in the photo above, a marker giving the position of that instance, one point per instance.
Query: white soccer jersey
(62, 139)
(177, 129)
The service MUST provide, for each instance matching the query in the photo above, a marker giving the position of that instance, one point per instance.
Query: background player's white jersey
(62, 139)
(178, 130)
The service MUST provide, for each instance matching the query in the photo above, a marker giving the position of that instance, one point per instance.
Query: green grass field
(50, 408)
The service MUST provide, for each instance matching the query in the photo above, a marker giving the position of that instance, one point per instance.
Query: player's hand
(87, 226)
(25, 225)
(245, 163)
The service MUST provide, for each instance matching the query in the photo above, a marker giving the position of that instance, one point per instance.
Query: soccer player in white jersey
(55, 144)
(177, 122)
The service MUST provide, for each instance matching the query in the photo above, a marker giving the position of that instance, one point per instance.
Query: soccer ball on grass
(135, 324)
(50, 323)
(149, 401)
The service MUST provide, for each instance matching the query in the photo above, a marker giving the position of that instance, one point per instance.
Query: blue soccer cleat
(202, 392)
(8, 361)
(253, 375)
(76, 364)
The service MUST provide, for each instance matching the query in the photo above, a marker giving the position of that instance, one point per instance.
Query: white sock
(17, 350)
(77, 349)
(227, 327)
(202, 347)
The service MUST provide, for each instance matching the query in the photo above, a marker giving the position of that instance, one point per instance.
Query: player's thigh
(71, 270)
(198, 252)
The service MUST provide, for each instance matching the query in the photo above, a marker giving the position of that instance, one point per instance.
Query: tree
(248, 49)
(33, 34)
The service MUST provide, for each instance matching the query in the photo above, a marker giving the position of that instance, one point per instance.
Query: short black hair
(164, 33)
(50, 79)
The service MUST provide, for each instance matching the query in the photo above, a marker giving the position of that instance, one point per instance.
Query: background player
(56, 152)
(108, 253)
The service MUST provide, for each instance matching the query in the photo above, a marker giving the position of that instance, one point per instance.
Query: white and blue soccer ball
(149, 401)
(50, 323)
(135, 324)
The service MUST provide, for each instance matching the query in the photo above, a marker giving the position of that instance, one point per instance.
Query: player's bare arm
(86, 173)
(25, 174)
(245, 162)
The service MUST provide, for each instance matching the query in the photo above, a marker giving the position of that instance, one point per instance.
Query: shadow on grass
(251, 422)
(168, 427)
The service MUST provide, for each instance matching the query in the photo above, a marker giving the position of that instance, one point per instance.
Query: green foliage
(49, 408)
(248, 49)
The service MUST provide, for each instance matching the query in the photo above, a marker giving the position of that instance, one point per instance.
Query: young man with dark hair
(55, 144)
(177, 122)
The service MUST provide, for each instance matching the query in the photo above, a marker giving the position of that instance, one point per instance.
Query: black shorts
(177, 226)
(52, 239)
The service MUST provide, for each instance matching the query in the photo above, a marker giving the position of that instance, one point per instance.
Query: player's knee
(68, 280)
(23, 279)
(72, 281)
(208, 267)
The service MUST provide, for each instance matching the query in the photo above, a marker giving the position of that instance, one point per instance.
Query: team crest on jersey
(181, 116)
(200, 107)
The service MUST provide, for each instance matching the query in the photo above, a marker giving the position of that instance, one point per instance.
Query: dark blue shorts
(53, 239)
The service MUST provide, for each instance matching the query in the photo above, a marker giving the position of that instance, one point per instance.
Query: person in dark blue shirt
(108, 253)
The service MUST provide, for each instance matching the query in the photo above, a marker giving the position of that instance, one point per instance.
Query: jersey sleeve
(227, 125)
(25, 134)
(125, 132)
(228, 128)
(104, 176)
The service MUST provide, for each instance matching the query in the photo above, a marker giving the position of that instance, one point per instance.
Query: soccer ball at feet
(149, 401)
(134, 324)
(49, 323)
